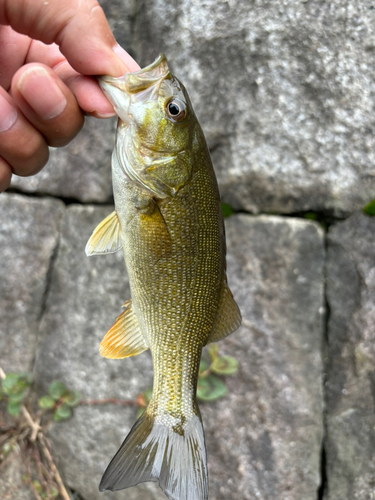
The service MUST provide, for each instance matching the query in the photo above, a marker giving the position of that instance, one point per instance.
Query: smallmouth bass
(168, 222)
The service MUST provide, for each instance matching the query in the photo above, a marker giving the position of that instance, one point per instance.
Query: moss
(311, 216)
(227, 210)
(369, 209)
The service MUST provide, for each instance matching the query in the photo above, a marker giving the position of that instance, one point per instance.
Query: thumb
(80, 28)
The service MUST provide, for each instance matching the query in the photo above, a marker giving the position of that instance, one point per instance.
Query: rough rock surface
(284, 91)
(81, 170)
(29, 232)
(350, 394)
(264, 437)
(266, 434)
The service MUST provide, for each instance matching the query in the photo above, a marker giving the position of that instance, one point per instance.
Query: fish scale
(169, 224)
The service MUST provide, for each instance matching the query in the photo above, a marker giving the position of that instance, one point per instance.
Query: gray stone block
(81, 170)
(264, 437)
(350, 387)
(284, 92)
(29, 232)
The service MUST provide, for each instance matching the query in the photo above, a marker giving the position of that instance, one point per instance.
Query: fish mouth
(137, 86)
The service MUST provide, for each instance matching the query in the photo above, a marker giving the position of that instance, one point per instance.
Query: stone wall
(285, 94)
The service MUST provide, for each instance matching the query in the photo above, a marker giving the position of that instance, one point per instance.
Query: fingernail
(105, 115)
(8, 114)
(42, 93)
(126, 58)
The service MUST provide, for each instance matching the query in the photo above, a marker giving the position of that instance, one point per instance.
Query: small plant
(142, 400)
(14, 389)
(316, 217)
(369, 209)
(42, 493)
(210, 386)
(60, 400)
(227, 210)
(311, 216)
(26, 431)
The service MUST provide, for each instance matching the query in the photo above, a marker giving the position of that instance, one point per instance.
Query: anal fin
(124, 338)
(228, 318)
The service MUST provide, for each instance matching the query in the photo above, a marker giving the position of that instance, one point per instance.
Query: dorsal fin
(228, 318)
(124, 338)
(106, 236)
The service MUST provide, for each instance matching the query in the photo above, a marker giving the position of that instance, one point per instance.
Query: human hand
(45, 89)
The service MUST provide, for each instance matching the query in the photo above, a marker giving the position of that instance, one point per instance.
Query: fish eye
(176, 110)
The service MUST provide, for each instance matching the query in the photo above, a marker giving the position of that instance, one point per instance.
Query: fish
(169, 224)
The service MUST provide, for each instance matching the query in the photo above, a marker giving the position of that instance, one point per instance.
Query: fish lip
(117, 82)
(120, 91)
(126, 81)
(158, 61)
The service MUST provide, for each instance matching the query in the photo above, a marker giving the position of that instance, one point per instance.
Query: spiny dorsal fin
(125, 338)
(228, 318)
(106, 236)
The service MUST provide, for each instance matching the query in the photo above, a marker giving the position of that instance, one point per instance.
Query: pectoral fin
(228, 318)
(125, 338)
(106, 236)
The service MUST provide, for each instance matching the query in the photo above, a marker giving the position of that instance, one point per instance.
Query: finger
(21, 145)
(90, 97)
(65, 23)
(47, 103)
(5, 174)
(85, 89)
(14, 48)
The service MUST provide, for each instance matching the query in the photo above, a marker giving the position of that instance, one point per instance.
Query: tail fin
(174, 455)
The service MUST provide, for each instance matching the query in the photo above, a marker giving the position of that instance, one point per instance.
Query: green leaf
(227, 210)
(46, 402)
(16, 398)
(25, 380)
(37, 485)
(203, 365)
(72, 398)
(144, 399)
(369, 209)
(62, 412)
(225, 365)
(54, 492)
(15, 383)
(213, 351)
(14, 409)
(147, 395)
(10, 382)
(210, 388)
(57, 390)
